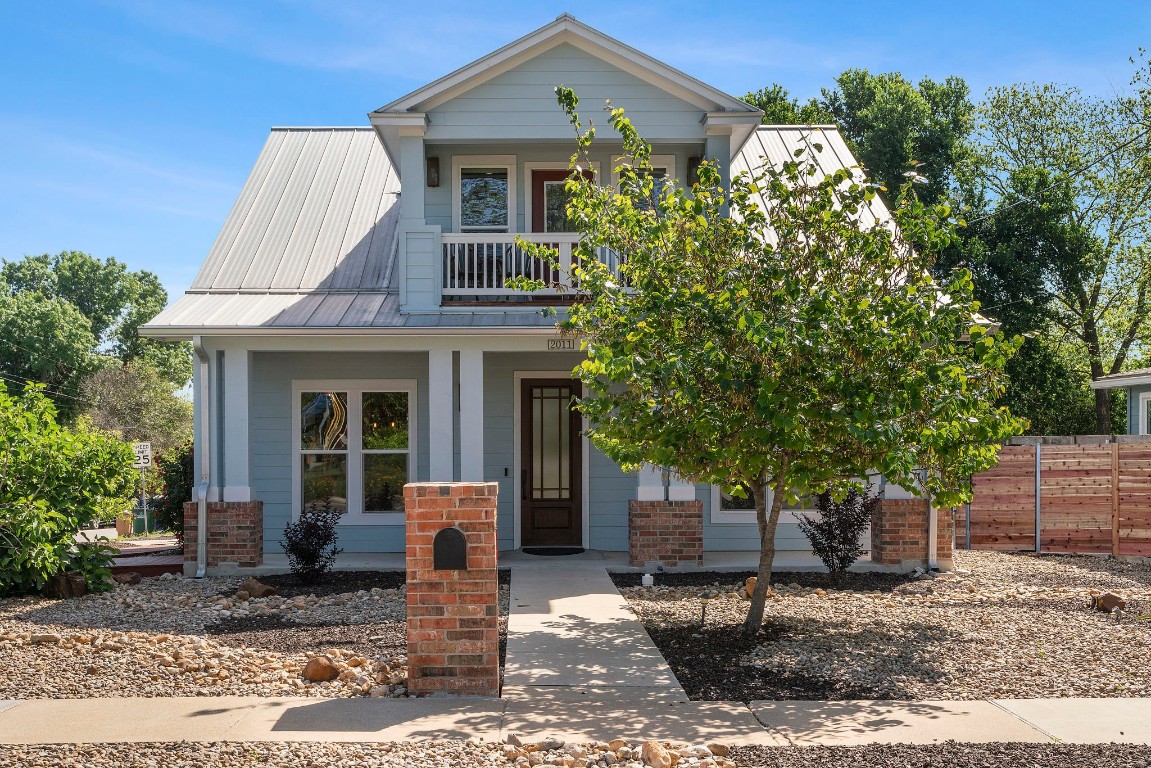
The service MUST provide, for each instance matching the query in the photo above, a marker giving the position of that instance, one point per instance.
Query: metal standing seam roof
(311, 242)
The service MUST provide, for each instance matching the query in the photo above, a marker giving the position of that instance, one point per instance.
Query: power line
(14, 379)
(1073, 174)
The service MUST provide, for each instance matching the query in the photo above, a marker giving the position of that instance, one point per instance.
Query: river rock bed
(464, 754)
(173, 636)
(1000, 626)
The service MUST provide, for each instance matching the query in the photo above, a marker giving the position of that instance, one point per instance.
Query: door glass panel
(385, 420)
(325, 481)
(484, 198)
(556, 199)
(551, 444)
(384, 477)
(324, 421)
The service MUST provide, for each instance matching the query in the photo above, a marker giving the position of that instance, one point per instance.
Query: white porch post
(471, 415)
(679, 489)
(650, 484)
(440, 416)
(237, 363)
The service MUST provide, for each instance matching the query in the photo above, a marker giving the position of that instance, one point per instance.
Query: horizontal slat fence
(1094, 497)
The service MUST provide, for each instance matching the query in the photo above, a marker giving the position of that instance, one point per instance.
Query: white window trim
(1142, 425)
(354, 515)
(747, 516)
(656, 161)
(542, 165)
(460, 162)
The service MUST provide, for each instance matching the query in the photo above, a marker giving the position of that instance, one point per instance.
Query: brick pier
(667, 532)
(235, 533)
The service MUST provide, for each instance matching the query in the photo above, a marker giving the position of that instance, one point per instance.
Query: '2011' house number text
(555, 345)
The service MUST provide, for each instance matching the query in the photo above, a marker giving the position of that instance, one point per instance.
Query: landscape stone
(321, 669)
(655, 754)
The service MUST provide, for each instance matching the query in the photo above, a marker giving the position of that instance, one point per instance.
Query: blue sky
(128, 126)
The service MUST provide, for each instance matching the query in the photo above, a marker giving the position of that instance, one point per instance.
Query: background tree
(64, 317)
(891, 125)
(722, 350)
(1067, 180)
(135, 402)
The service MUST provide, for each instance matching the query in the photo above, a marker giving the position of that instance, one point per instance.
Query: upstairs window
(484, 194)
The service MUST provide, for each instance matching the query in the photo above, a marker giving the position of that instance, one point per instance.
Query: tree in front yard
(787, 348)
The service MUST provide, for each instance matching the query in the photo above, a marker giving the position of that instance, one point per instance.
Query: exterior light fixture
(432, 171)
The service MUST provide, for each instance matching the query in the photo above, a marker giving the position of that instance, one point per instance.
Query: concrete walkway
(227, 718)
(572, 637)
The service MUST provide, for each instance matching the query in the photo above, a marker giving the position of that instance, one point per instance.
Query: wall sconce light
(693, 170)
(432, 171)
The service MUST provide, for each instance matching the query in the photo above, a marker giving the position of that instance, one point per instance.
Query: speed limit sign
(143, 452)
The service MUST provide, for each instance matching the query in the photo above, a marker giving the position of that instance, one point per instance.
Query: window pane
(385, 420)
(484, 197)
(324, 421)
(728, 501)
(384, 478)
(556, 199)
(325, 478)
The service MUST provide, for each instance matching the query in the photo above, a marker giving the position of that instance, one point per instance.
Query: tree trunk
(1095, 360)
(767, 524)
(1103, 411)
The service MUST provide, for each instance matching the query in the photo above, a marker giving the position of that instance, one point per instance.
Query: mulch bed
(701, 656)
(863, 581)
(271, 633)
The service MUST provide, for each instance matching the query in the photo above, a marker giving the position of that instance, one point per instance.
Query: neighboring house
(1138, 387)
(352, 338)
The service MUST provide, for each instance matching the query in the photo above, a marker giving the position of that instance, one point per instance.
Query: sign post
(143, 460)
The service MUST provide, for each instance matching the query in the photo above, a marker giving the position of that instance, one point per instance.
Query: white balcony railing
(481, 263)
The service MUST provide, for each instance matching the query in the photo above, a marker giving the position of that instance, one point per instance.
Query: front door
(549, 200)
(551, 477)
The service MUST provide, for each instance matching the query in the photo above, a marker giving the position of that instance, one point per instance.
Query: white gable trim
(566, 29)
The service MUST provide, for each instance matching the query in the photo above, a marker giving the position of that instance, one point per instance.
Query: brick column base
(235, 532)
(667, 532)
(453, 615)
(899, 531)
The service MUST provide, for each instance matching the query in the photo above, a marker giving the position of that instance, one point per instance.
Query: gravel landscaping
(1001, 626)
(459, 753)
(172, 636)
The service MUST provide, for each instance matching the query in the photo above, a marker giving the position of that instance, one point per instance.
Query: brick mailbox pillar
(235, 533)
(453, 611)
(666, 532)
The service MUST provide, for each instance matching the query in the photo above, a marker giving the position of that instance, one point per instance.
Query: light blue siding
(1133, 415)
(272, 452)
(521, 103)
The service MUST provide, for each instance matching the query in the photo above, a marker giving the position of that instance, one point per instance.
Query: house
(353, 328)
(1137, 385)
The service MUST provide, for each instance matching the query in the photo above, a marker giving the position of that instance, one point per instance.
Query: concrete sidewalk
(572, 637)
(1076, 721)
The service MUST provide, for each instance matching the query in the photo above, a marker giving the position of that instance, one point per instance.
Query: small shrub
(93, 559)
(177, 473)
(310, 542)
(834, 536)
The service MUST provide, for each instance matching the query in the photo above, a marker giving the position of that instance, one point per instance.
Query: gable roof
(567, 29)
(1136, 378)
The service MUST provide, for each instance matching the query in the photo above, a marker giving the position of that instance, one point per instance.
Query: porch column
(441, 467)
(679, 489)
(236, 436)
(650, 484)
(471, 415)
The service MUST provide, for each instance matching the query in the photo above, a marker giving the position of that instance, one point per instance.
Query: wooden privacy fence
(1089, 494)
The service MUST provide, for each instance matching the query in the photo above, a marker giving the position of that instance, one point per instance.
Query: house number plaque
(559, 345)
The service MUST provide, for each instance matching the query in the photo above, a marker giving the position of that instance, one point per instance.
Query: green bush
(54, 480)
(93, 559)
(177, 473)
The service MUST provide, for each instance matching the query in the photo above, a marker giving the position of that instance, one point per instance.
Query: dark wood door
(551, 475)
(549, 200)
